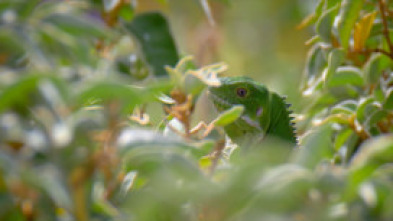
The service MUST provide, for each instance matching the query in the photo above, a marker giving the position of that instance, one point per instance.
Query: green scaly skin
(265, 112)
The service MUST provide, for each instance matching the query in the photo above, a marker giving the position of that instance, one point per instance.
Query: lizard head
(240, 91)
(255, 99)
(264, 112)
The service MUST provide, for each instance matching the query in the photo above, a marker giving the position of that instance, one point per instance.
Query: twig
(220, 145)
(382, 9)
(360, 131)
(390, 55)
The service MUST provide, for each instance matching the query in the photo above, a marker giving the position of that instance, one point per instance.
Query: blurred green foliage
(83, 137)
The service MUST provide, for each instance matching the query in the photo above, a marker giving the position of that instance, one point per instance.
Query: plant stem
(382, 8)
(220, 145)
(390, 55)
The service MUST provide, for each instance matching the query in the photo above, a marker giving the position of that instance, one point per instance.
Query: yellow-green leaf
(362, 31)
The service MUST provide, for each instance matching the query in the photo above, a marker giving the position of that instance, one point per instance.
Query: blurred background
(256, 38)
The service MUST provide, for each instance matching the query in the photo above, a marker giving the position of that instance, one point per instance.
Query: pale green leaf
(371, 155)
(344, 107)
(315, 64)
(374, 67)
(107, 92)
(364, 108)
(229, 116)
(325, 24)
(335, 58)
(81, 26)
(346, 76)
(349, 13)
(312, 18)
(315, 147)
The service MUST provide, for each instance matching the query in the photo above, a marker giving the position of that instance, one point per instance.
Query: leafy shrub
(82, 85)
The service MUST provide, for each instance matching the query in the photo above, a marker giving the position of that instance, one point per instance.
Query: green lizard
(265, 112)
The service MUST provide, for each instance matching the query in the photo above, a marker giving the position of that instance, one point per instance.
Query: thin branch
(390, 12)
(382, 8)
(220, 145)
(379, 50)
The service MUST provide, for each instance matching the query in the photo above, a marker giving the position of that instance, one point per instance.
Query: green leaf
(320, 102)
(313, 17)
(126, 12)
(152, 32)
(364, 107)
(315, 147)
(81, 26)
(151, 159)
(153, 91)
(315, 86)
(346, 76)
(348, 15)
(344, 107)
(371, 155)
(325, 23)
(287, 183)
(130, 139)
(345, 144)
(50, 179)
(342, 137)
(103, 207)
(20, 93)
(193, 85)
(315, 63)
(374, 67)
(23, 9)
(105, 92)
(229, 116)
(388, 105)
(375, 117)
(10, 43)
(335, 58)
(332, 3)
(374, 153)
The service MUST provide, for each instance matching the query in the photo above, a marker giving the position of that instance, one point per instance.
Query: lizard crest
(265, 112)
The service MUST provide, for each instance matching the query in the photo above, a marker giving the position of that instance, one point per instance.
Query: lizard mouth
(219, 102)
(221, 105)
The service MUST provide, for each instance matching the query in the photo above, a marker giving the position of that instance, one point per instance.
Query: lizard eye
(241, 92)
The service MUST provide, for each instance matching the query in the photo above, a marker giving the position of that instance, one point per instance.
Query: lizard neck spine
(281, 124)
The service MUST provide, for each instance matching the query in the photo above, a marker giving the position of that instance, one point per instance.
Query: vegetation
(83, 137)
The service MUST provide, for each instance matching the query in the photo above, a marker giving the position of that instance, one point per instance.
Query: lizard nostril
(241, 92)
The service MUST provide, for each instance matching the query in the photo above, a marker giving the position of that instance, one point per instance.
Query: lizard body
(265, 112)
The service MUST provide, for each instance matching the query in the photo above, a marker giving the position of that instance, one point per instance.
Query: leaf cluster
(348, 72)
(97, 108)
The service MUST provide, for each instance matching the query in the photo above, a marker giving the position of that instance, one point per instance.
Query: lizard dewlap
(265, 112)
